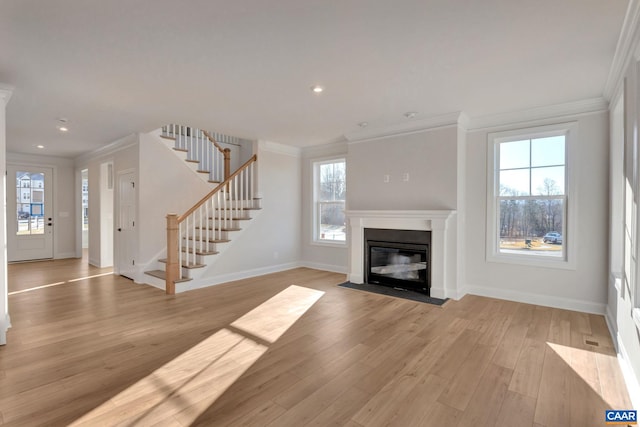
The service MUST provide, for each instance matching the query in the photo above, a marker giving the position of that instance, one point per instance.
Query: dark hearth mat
(394, 292)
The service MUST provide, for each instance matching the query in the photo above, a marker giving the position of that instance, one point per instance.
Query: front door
(30, 222)
(126, 233)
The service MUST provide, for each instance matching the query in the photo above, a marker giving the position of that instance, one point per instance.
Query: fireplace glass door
(399, 265)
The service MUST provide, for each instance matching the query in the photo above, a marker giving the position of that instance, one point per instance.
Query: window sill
(329, 243)
(532, 261)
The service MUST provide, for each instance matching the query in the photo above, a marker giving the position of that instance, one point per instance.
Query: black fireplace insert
(398, 258)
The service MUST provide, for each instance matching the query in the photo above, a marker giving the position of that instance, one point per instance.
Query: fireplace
(398, 258)
(442, 253)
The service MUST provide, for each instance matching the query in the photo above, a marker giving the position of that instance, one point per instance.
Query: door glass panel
(30, 206)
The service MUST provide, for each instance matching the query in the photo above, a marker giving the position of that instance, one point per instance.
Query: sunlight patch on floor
(182, 389)
(272, 318)
(584, 363)
(57, 284)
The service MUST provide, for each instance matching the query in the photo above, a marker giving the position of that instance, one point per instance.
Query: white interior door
(30, 224)
(126, 227)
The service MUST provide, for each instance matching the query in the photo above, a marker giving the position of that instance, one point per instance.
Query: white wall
(166, 185)
(433, 160)
(430, 159)
(5, 323)
(624, 227)
(64, 211)
(271, 241)
(123, 153)
(107, 185)
(583, 288)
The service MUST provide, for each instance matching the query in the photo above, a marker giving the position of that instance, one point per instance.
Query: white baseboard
(326, 267)
(65, 255)
(630, 379)
(531, 298)
(230, 277)
(5, 324)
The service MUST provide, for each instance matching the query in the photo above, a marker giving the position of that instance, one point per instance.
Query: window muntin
(330, 195)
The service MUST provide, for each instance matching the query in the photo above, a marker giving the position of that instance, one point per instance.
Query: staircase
(202, 232)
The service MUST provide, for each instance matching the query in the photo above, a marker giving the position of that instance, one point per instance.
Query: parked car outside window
(552, 237)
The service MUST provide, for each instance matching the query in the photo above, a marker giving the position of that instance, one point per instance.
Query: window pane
(532, 227)
(548, 181)
(514, 155)
(547, 151)
(514, 182)
(30, 206)
(332, 184)
(332, 221)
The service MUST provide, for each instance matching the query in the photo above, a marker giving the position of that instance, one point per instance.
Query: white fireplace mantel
(436, 221)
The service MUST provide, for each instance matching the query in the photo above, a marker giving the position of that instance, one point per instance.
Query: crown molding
(539, 113)
(120, 144)
(410, 126)
(625, 49)
(329, 149)
(5, 93)
(276, 147)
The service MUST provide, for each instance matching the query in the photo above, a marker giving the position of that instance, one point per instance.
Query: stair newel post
(172, 267)
(227, 163)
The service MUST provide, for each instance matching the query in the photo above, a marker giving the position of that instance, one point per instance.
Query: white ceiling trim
(338, 148)
(275, 147)
(411, 126)
(627, 45)
(539, 113)
(121, 144)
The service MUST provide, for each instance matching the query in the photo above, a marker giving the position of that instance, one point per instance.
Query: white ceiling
(245, 67)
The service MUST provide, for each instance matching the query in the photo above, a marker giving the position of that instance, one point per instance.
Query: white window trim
(315, 241)
(570, 237)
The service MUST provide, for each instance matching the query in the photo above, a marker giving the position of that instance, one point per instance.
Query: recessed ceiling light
(410, 114)
(40, 146)
(62, 125)
(317, 89)
(363, 124)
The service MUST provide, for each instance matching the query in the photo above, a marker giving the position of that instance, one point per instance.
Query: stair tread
(212, 240)
(229, 219)
(184, 150)
(161, 274)
(239, 209)
(200, 252)
(173, 138)
(221, 229)
(189, 266)
(192, 161)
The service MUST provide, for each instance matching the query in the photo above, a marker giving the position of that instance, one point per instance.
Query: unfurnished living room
(289, 213)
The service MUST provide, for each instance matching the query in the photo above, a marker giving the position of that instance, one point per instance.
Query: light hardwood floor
(292, 349)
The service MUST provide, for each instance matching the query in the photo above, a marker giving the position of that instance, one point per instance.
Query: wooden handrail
(213, 141)
(215, 190)
(226, 152)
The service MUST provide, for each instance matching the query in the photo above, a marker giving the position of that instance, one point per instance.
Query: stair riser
(219, 223)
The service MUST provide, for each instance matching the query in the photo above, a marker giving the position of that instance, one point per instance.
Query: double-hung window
(528, 201)
(330, 190)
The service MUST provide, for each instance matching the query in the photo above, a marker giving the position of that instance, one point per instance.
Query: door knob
(119, 229)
